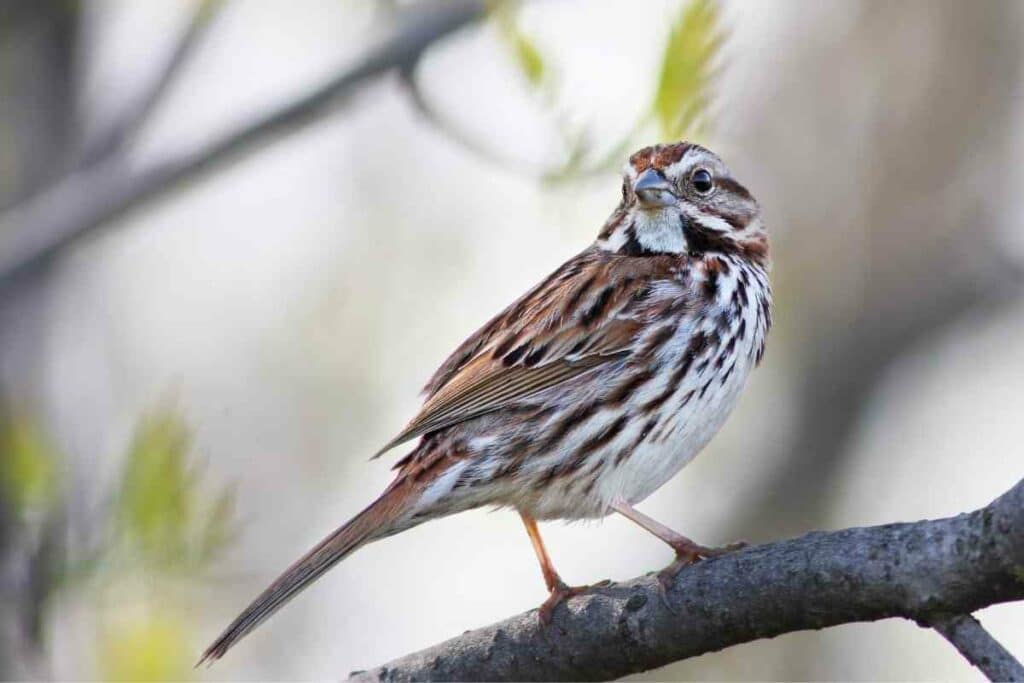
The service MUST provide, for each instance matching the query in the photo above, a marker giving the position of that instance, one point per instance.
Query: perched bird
(591, 390)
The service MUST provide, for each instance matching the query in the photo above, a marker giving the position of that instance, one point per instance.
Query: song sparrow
(595, 387)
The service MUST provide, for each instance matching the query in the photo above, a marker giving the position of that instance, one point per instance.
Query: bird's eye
(702, 181)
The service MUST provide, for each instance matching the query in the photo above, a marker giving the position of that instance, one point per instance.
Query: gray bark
(966, 634)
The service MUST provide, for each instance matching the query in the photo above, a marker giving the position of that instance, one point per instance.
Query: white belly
(672, 446)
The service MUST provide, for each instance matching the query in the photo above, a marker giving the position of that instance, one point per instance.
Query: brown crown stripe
(659, 156)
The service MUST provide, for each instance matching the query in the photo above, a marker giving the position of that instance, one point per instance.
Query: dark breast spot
(710, 286)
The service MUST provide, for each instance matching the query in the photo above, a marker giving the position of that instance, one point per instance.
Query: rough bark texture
(927, 571)
(966, 634)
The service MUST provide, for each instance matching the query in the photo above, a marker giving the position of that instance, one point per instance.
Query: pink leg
(687, 551)
(559, 591)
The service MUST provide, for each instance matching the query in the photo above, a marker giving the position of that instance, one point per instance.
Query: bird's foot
(560, 592)
(687, 553)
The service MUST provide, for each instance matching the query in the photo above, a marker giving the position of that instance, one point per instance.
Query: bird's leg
(558, 590)
(687, 551)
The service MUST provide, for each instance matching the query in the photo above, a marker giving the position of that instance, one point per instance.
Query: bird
(591, 390)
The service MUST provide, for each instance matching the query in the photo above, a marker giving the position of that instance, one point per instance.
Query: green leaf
(28, 465)
(160, 512)
(149, 647)
(683, 93)
(525, 52)
(156, 502)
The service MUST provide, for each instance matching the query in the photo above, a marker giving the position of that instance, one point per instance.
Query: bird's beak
(652, 190)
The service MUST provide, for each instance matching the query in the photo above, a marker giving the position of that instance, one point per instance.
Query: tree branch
(923, 571)
(32, 233)
(979, 648)
(115, 135)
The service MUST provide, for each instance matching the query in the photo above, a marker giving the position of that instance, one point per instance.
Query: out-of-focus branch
(923, 571)
(32, 233)
(979, 648)
(125, 126)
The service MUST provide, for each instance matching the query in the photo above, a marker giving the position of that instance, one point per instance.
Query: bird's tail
(382, 518)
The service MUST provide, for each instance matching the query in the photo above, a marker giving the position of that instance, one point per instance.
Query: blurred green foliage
(678, 109)
(29, 466)
(526, 53)
(154, 647)
(165, 526)
(683, 92)
(158, 510)
(162, 525)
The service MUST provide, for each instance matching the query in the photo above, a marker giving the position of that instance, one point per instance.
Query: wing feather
(549, 336)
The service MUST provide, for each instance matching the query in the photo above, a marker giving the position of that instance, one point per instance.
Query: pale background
(291, 307)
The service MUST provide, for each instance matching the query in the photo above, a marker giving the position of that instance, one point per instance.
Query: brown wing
(585, 314)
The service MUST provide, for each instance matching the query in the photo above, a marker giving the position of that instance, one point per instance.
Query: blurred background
(237, 236)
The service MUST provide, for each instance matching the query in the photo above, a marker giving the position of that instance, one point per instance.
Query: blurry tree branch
(33, 232)
(116, 134)
(979, 648)
(927, 571)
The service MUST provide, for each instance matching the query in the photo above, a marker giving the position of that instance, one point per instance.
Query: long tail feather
(375, 522)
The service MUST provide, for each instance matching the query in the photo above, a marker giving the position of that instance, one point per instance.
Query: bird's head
(680, 198)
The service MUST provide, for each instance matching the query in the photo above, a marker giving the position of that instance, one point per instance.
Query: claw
(559, 594)
(687, 554)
